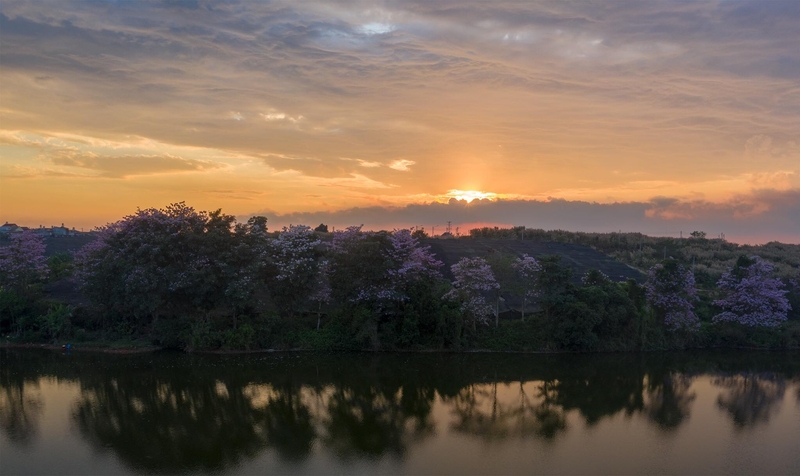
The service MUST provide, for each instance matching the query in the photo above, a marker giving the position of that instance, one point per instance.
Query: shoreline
(150, 349)
(103, 350)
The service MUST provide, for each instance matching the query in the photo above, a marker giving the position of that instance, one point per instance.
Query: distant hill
(66, 244)
(60, 244)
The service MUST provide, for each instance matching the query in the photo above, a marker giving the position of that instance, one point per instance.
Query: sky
(660, 117)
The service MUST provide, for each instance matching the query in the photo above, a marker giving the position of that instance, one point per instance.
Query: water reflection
(527, 412)
(21, 405)
(668, 399)
(288, 424)
(750, 398)
(181, 423)
(173, 413)
(370, 422)
(597, 393)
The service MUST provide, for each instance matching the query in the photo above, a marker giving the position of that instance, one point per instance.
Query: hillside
(580, 258)
(500, 253)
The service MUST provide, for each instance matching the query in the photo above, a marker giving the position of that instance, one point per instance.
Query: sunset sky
(647, 116)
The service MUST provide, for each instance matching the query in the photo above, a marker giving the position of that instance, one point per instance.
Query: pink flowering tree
(22, 262)
(527, 269)
(473, 280)
(172, 262)
(294, 255)
(671, 292)
(753, 297)
(408, 263)
(147, 264)
(356, 266)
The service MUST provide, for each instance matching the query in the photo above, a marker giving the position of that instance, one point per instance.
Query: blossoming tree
(753, 296)
(670, 291)
(22, 262)
(408, 263)
(528, 270)
(473, 278)
(172, 262)
(294, 254)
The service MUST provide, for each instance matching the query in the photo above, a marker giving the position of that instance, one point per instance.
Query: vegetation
(181, 278)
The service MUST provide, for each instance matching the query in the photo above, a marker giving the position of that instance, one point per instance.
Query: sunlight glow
(470, 195)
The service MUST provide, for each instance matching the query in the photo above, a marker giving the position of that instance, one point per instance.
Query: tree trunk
(523, 309)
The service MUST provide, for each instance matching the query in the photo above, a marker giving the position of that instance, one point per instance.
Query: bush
(14, 310)
(56, 323)
(241, 338)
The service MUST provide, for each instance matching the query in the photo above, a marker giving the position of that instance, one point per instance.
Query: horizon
(654, 118)
(334, 220)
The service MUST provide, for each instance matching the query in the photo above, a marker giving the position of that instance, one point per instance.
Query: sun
(470, 195)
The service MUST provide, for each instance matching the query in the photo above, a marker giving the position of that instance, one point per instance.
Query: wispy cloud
(402, 165)
(619, 101)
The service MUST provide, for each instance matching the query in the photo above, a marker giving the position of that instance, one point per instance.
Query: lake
(312, 413)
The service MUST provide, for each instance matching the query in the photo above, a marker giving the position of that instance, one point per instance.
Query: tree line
(189, 279)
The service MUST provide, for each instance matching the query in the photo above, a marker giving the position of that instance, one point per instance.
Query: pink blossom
(473, 278)
(754, 298)
(670, 291)
(23, 261)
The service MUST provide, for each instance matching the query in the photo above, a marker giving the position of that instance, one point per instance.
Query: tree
(22, 262)
(356, 263)
(171, 262)
(322, 228)
(409, 262)
(321, 289)
(553, 285)
(528, 270)
(419, 233)
(473, 278)
(753, 296)
(698, 235)
(294, 253)
(671, 291)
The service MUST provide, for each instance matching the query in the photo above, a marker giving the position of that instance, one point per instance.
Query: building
(9, 228)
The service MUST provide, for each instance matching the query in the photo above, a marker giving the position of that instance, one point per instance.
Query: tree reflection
(599, 395)
(171, 425)
(668, 399)
(479, 412)
(368, 421)
(21, 407)
(178, 413)
(750, 398)
(288, 424)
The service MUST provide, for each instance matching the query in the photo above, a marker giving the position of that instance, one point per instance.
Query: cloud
(277, 116)
(759, 217)
(402, 165)
(122, 166)
(368, 164)
(616, 101)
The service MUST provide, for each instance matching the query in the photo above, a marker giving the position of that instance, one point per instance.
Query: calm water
(410, 413)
